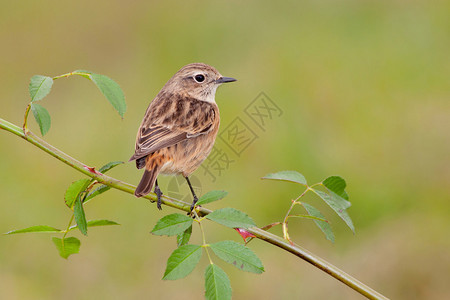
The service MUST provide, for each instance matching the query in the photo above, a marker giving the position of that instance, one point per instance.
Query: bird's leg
(193, 193)
(158, 195)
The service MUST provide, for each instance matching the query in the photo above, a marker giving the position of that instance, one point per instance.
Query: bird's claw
(193, 205)
(158, 195)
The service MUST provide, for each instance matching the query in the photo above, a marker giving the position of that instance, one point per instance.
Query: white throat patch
(211, 97)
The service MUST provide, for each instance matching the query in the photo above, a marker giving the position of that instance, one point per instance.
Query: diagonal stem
(79, 166)
(259, 233)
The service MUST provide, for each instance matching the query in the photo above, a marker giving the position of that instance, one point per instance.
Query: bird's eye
(199, 78)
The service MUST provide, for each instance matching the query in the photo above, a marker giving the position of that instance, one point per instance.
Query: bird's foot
(158, 195)
(193, 204)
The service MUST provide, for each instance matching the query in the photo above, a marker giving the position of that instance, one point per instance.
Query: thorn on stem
(91, 169)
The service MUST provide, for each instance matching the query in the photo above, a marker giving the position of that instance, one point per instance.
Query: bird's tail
(148, 179)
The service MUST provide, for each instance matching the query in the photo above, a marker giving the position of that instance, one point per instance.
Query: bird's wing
(160, 134)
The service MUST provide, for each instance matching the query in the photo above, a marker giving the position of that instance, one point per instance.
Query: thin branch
(181, 205)
(25, 118)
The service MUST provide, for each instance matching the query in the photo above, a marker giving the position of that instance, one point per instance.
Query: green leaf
(231, 217)
(217, 284)
(109, 166)
(336, 184)
(80, 217)
(39, 87)
(308, 217)
(38, 228)
(74, 190)
(182, 262)
(338, 199)
(184, 237)
(292, 176)
(338, 204)
(67, 246)
(322, 224)
(172, 224)
(109, 88)
(99, 190)
(211, 197)
(112, 92)
(42, 117)
(238, 255)
(93, 223)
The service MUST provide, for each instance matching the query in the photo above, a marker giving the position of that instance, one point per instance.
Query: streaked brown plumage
(179, 127)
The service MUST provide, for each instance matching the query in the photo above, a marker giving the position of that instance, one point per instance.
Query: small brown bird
(179, 127)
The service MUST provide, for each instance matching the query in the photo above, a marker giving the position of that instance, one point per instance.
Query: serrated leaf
(74, 190)
(37, 228)
(323, 225)
(184, 237)
(231, 217)
(99, 190)
(39, 87)
(217, 284)
(42, 117)
(103, 222)
(80, 217)
(238, 255)
(182, 262)
(93, 223)
(109, 166)
(211, 197)
(67, 246)
(338, 204)
(338, 199)
(112, 92)
(336, 184)
(172, 224)
(292, 176)
(308, 217)
(109, 88)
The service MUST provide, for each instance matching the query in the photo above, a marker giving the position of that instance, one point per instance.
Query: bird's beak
(225, 80)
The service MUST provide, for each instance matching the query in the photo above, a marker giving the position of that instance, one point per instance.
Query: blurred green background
(364, 89)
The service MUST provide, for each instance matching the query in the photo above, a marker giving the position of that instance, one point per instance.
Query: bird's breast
(186, 156)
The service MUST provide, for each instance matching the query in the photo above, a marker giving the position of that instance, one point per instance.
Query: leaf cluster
(186, 257)
(76, 196)
(40, 86)
(331, 190)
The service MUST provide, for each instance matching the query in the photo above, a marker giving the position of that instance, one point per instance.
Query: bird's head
(197, 80)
